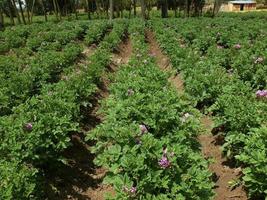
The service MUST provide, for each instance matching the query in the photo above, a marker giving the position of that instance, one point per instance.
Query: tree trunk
(2, 23)
(76, 3)
(88, 9)
(44, 10)
(16, 11)
(175, 8)
(55, 9)
(28, 11)
(111, 7)
(188, 3)
(216, 7)
(21, 10)
(118, 11)
(164, 9)
(134, 6)
(143, 9)
(59, 11)
(33, 3)
(11, 13)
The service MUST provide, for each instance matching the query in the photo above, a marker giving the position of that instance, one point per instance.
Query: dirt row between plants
(211, 144)
(80, 179)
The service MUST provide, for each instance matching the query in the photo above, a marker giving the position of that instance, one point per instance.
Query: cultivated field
(132, 109)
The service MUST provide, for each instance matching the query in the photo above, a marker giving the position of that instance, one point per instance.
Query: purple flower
(259, 60)
(261, 93)
(143, 129)
(132, 191)
(28, 127)
(164, 162)
(130, 92)
(237, 46)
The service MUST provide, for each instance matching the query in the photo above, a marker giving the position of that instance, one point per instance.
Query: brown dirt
(82, 61)
(86, 53)
(224, 174)
(122, 55)
(80, 179)
(163, 62)
(211, 144)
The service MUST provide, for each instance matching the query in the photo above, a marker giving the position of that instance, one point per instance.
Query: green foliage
(17, 181)
(96, 31)
(132, 157)
(38, 130)
(223, 63)
(254, 156)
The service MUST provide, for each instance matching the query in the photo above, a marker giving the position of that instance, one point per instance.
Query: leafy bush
(223, 64)
(150, 151)
(254, 157)
(38, 131)
(17, 181)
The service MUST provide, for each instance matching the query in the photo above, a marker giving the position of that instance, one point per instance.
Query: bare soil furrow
(80, 179)
(211, 144)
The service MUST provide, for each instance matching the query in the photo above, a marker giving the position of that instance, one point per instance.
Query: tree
(164, 9)
(134, 7)
(13, 3)
(217, 6)
(111, 7)
(21, 11)
(143, 9)
(1, 16)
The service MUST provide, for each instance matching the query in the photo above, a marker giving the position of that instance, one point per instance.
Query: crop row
(147, 140)
(41, 36)
(35, 135)
(225, 72)
(25, 77)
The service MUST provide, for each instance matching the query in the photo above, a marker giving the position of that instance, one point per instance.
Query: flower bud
(28, 127)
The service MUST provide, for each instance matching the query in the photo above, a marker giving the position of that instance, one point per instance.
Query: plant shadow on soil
(80, 179)
(72, 180)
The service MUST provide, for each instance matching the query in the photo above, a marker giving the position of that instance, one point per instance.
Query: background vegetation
(22, 11)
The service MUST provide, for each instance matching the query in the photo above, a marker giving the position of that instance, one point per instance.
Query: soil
(224, 173)
(164, 62)
(79, 178)
(211, 144)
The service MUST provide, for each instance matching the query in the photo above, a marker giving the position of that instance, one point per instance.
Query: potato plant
(38, 131)
(224, 75)
(148, 138)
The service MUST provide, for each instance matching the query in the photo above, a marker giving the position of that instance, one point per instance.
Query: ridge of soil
(164, 62)
(210, 143)
(80, 179)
